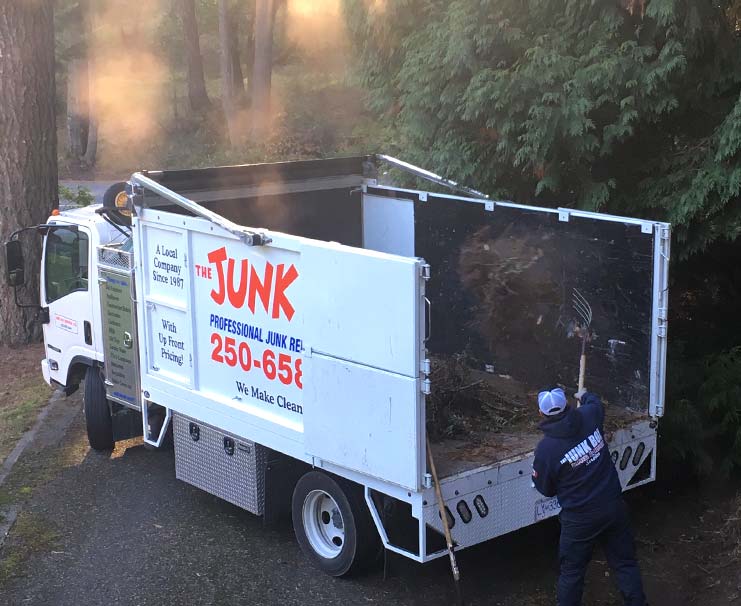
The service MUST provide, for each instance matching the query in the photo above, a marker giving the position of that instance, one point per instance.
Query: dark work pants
(608, 526)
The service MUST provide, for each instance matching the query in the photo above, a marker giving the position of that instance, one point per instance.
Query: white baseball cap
(552, 402)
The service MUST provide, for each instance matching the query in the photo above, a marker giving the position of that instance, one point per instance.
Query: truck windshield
(66, 262)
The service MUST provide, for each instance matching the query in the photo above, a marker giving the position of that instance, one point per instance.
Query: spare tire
(109, 203)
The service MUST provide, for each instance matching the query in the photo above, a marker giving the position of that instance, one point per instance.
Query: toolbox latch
(195, 432)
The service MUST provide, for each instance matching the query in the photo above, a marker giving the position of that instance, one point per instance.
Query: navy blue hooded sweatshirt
(573, 461)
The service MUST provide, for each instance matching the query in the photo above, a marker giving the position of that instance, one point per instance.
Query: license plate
(545, 508)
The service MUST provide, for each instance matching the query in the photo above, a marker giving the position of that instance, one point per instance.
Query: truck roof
(79, 214)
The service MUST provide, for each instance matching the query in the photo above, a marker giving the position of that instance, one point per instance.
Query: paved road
(130, 533)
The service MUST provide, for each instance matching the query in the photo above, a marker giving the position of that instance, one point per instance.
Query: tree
(91, 145)
(234, 55)
(232, 83)
(262, 71)
(28, 160)
(249, 43)
(624, 106)
(197, 94)
(82, 132)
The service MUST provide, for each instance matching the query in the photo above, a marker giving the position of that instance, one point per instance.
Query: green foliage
(567, 102)
(682, 431)
(682, 438)
(82, 197)
(721, 398)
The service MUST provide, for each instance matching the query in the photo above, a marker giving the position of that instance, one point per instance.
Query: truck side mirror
(14, 263)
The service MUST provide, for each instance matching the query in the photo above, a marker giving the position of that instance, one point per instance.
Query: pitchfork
(584, 311)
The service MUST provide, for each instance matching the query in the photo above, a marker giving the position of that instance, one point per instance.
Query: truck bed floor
(455, 456)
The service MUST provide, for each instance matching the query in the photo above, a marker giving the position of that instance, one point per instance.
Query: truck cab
(73, 335)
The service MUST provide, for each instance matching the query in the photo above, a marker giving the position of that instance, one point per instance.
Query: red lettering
(236, 297)
(275, 280)
(282, 282)
(203, 272)
(218, 257)
(260, 288)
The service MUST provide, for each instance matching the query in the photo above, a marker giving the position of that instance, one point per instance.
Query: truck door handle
(128, 341)
(88, 330)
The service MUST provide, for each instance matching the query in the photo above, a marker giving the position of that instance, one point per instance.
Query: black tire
(97, 412)
(109, 202)
(361, 540)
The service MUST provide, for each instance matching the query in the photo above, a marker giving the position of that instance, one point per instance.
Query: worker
(572, 462)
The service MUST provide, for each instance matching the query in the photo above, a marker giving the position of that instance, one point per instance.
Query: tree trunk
(91, 146)
(77, 108)
(237, 75)
(228, 92)
(250, 42)
(196, 82)
(263, 70)
(91, 149)
(28, 147)
(77, 83)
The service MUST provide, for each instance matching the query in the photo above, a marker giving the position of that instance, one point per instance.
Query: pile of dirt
(469, 404)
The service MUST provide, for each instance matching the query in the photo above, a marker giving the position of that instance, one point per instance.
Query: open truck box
(352, 284)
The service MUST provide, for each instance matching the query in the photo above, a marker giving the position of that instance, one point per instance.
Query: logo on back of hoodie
(586, 451)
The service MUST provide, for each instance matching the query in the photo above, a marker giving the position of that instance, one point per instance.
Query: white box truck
(279, 322)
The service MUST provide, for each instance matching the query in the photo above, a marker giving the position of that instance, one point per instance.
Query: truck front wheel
(97, 412)
(332, 524)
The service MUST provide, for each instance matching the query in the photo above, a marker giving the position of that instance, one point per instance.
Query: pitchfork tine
(584, 312)
(582, 307)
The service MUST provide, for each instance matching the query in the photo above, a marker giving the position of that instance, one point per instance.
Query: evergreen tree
(625, 106)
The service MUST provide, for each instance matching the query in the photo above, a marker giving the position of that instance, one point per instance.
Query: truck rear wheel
(332, 524)
(97, 412)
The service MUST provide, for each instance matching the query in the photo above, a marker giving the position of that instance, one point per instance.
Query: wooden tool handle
(582, 373)
(443, 516)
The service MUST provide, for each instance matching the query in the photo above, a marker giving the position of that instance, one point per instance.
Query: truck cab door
(65, 290)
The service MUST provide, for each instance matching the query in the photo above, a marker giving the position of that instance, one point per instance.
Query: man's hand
(580, 394)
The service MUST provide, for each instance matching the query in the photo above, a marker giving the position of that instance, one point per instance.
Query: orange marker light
(54, 212)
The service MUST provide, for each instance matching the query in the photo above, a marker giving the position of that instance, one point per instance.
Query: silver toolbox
(220, 463)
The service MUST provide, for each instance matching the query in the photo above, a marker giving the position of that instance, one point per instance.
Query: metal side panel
(119, 338)
(369, 306)
(388, 225)
(203, 459)
(364, 419)
(120, 342)
(165, 331)
(363, 401)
